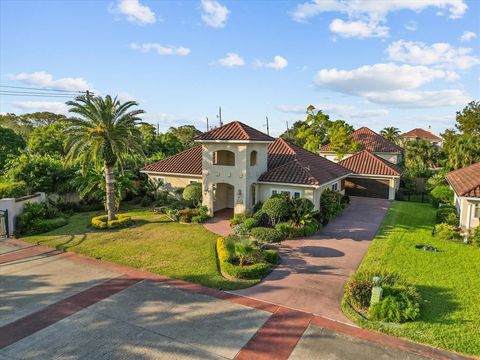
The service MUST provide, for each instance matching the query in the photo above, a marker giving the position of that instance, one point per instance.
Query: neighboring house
(465, 183)
(373, 176)
(421, 134)
(239, 166)
(371, 141)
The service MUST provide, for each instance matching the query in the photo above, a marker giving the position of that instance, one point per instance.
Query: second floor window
(224, 157)
(253, 158)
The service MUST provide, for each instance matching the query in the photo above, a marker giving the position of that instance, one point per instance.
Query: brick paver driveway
(314, 270)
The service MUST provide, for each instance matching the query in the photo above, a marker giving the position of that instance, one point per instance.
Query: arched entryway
(223, 199)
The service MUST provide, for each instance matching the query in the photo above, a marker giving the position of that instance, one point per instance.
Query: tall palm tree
(104, 131)
(465, 151)
(390, 133)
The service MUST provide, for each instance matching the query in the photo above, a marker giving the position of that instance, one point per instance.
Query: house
(465, 183)
(371, 141)
(239, 166)
(421, 134)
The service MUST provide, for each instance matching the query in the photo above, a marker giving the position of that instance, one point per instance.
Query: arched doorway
(223, 198)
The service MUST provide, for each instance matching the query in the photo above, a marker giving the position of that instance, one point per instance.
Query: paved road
(314, 270)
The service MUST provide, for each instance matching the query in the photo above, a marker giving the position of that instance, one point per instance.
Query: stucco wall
(171, 183)
(466, 209)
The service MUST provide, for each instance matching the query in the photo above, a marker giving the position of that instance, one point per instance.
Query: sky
(402, 63)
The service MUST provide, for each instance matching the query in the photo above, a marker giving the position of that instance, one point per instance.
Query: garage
(374, 188)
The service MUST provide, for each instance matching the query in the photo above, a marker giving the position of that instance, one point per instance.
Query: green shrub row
(101, 222)
(13, 189)
(188, 215)
(266, 235)
(37, 218)
(447, 232)
(447, 214)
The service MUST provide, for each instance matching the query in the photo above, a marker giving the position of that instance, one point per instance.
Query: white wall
(15, 207)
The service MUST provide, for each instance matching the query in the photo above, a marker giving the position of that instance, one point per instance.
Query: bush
(289, 230)
(447, 232)
(13, 189)
(276, 208)
(442, 194)
(37, 218)
(266, 235)
(443, 212)
(45, 225)
(193, 193)
(299, 209)
(311, 228)
(330, 204)
(271, 256)
(225, 250)
(238, 219)
(101, 222)
(245, 227)
(474, 238)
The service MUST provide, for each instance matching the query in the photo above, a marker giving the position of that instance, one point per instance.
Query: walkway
(59, 305)
(314, 270)
(220, 222)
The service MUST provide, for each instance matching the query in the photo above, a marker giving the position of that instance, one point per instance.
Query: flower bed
(101, 222)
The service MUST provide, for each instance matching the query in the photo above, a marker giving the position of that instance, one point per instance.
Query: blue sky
(377, 63)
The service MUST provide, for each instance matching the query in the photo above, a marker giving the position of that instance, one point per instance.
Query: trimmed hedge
(271, 256)
(13, 189)
(249, 272)
(447, 214)
(40, 226)
(266, 235)
(101, 222)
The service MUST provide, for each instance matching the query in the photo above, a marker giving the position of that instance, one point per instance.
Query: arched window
(224, 157)
(253, 158)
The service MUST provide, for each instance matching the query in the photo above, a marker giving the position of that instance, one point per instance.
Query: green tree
(193, 193)
(151, 141)
(48, 139)
(314, 130)
(170, 143)
(185, 134)
(11, 145)
(291, 134)
(420, 155)
(390, 133)
(468, 120)
(464, 151)
(104, 132)
(340, 137)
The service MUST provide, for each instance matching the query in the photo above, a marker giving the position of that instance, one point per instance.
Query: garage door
(374, 188)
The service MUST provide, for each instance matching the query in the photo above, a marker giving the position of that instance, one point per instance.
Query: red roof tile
(365, 162)
(187, 162)
(371, 141)
(234, 131)
(466, 181)
(419, 133)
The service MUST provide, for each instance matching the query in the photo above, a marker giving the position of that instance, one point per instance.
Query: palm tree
(390, 133)
(243, 248)
(104, 131)
(465, 151)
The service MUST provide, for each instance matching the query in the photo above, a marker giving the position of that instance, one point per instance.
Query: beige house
(239, 166)
(465, 183)
(422, 134)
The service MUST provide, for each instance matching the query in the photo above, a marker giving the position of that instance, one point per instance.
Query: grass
(449, 281)
(154, 244)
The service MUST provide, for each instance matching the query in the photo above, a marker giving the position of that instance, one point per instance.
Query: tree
(276, 208)
(48, 139)
(340, 137)
(464, 151)
(314, 130)
(193, 193)
(171, 144)
(11, 144)
(420, 155)
(291, 134)
(390, 133)
(104, 132)
(185, 134)
(468, 120)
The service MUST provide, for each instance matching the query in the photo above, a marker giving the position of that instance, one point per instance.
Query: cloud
(160, 49)
(467, 36)
(34, 106)
(411, 26)
(136, 12)
(124, 96)
(340, 110)
(232, 60)
(358, 29)
(165, 120)
(420, 99)
(278, 63)
(214, 14)
(441, 54)
(46, 80)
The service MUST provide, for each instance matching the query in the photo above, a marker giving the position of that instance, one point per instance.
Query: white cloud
(232, 60)
(160, 49)
(411, 26)
(278, 63)
(124, 96)
(420, 99)
(339, 110)
(467, 36)
(46, 80)
(214, 14)
(136, 12)
(441, 54)
(358, 29)
(33, 106)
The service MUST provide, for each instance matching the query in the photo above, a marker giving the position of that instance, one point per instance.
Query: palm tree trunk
(110, 191)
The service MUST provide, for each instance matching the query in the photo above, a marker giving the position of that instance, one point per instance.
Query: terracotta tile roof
(371, 141)
(419, 133)
(291, 164)
(187, 162)
(366, 162)
(466, 181)
(234, 131)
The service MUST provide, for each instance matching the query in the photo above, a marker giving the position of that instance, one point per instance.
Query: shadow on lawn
(438, 304)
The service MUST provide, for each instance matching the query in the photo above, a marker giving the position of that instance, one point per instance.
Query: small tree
(443, 194)
(330, 204)
(276, 208)
(243, 248)
(193, 193)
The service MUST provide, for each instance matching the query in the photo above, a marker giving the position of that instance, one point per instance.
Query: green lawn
(449, 281)
(154, 244)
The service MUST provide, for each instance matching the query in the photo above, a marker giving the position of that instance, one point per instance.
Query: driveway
(314, 270)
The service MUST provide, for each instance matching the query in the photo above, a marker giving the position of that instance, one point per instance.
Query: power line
(42, 89)
(38, 95)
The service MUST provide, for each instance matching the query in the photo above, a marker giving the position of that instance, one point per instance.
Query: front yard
(154, 244)
(448, 281)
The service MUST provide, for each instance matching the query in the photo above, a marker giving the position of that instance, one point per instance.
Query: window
(335, 187)
(253, 158)
(476, 211)
(224, 157)
(296, 194)
(192, 181)
(287, 193)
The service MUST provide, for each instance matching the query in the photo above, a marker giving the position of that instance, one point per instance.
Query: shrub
(443, 212)
(193, 193)
(330, 204)
(474, 238)
(261, 217)
(276, 208)
(266, 235)
(250, 223)
(224, 252)
(271, 256)
(40, 226)
(37, 218)
(443, 194)
(300, 208)
(13, 189)
(447, 232)
(310, 228)
(238, 219)
(101, 222)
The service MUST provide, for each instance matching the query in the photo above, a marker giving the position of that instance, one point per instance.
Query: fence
(14, 207)
(422, 197)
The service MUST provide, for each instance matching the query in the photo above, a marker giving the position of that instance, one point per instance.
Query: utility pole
(158, 128)
(89, 94)
(219, 116)
(207, 124)
(268, 128)
(288, 130)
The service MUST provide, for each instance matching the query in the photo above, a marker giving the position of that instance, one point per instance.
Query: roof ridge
(242, 129)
